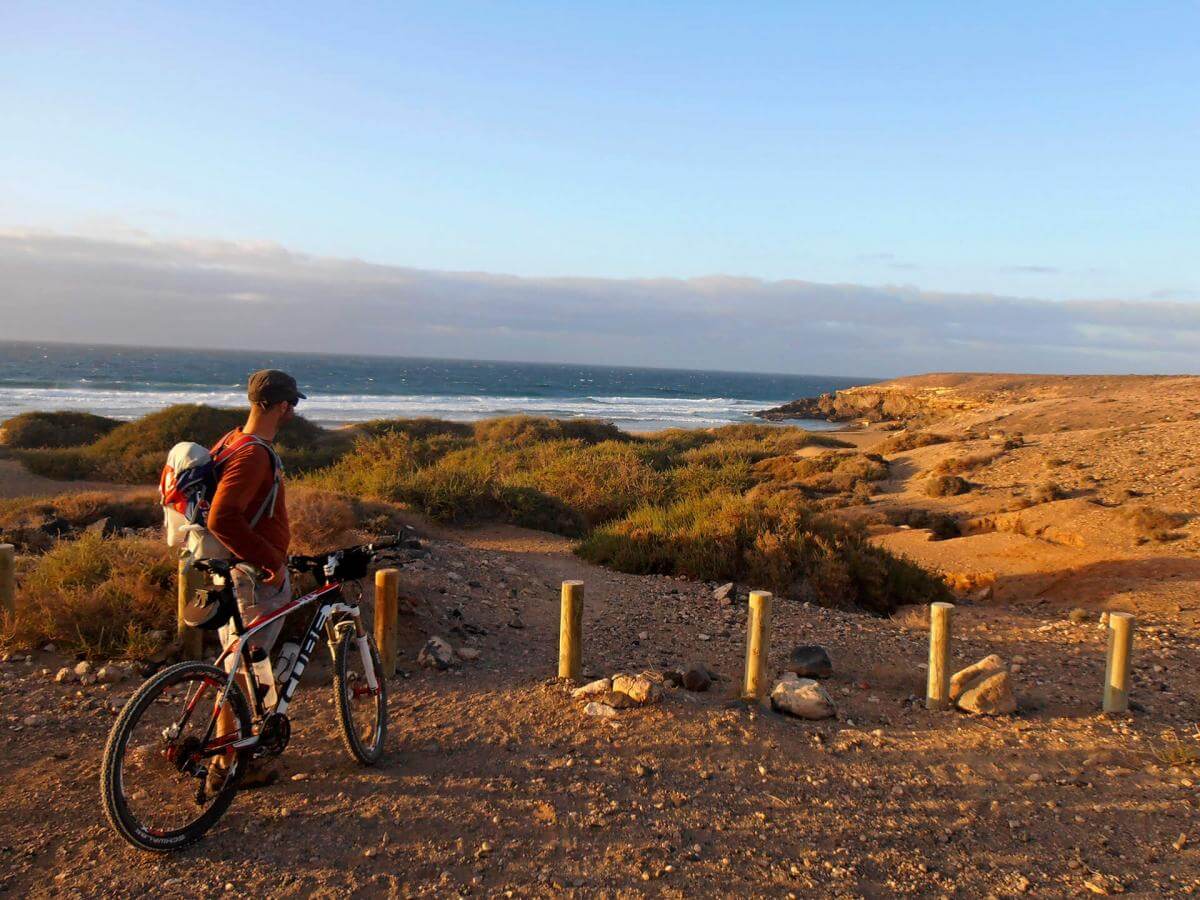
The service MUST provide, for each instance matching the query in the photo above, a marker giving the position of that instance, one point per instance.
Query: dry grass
(1047, 492)
(321, 520)
(1152, 524)
(956, 465)
(32, 524)
(103, 597)
(911, 440)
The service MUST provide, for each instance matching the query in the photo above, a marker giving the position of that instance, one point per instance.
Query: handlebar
(226, 566)
(317, 564)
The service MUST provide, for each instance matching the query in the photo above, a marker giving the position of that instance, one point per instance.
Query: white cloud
(260, 295)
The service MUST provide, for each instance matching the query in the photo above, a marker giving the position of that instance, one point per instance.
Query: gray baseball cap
(273, 386)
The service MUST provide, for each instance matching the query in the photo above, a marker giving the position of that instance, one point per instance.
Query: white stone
(802, 697)
(599, 686)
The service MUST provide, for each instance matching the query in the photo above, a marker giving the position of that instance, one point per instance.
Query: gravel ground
(496, 784)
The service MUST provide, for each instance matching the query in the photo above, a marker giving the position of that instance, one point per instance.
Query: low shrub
(911, 440)
(134, 452)
(1047, 492)
(956, 465)
(33, 523)
(535, 429)
(418, 428)
(852, 473)
(322, 520)
(100, 596)
(776, 543)
(944, 527)
(946, 486)
(38, 430)
(1152, 524)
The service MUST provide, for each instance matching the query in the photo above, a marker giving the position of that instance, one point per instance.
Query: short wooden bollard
(758, 639)
(387, 613)
(8, 580)
(937, 693)
(570, 631)
(1116, 673)
(191, 640)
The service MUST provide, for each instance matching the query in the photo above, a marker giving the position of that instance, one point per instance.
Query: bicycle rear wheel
(362, 711)
(159, 752)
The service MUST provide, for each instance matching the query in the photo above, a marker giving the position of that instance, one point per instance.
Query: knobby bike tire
(116, 808)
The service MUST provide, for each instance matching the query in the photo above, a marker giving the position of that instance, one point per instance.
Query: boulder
(600, 710)
(802, 697)
(724, 592)
(66, 676)
(468, 653)
(810, 661)
(642, 689)
(697, 678)
(83, 668)
(961, 679)
(991, 694)
(592, 688)
(436, 654)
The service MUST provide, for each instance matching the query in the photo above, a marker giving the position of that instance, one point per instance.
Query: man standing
(249, 517)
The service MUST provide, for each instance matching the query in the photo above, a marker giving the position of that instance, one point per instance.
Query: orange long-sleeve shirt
(246, 479)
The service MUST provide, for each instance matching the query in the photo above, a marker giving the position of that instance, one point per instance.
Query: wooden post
(937, 693)
(387, 610)
(758, 639)
(8, 580)
(191, 640)
(1116, 674)
(570, 631)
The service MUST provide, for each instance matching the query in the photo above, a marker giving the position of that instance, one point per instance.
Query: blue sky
(1045, 150)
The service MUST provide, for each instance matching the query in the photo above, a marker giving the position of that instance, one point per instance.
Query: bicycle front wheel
(362, 710)
(154, 780)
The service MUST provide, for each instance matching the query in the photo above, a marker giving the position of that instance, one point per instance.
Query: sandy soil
(497, 784)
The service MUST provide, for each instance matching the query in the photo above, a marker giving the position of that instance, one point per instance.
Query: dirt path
(496, 784)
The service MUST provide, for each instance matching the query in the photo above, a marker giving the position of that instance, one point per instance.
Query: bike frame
(234, 657)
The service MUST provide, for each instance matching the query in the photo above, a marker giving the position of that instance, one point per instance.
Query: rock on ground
(802, 697)
(989, 695)
(436, 654)
(592, 688)
(697, 678)
(963, 677)
(642, 689)
(810, 661)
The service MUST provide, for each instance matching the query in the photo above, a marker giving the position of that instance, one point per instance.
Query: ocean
(127, 382)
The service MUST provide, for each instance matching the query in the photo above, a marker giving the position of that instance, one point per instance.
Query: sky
(1008, 158)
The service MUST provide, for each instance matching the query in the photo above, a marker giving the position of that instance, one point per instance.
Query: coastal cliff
(1030, 402)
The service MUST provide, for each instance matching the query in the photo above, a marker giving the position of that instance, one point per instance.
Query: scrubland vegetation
(133, 452)
(731, 503)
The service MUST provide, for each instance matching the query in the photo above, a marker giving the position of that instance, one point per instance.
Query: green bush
(415, 428)
(37, 430)
(776, 543)
(535, 429)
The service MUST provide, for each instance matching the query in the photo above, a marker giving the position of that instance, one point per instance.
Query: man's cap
(273, 386)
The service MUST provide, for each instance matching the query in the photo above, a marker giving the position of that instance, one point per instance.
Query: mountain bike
(167, 739)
